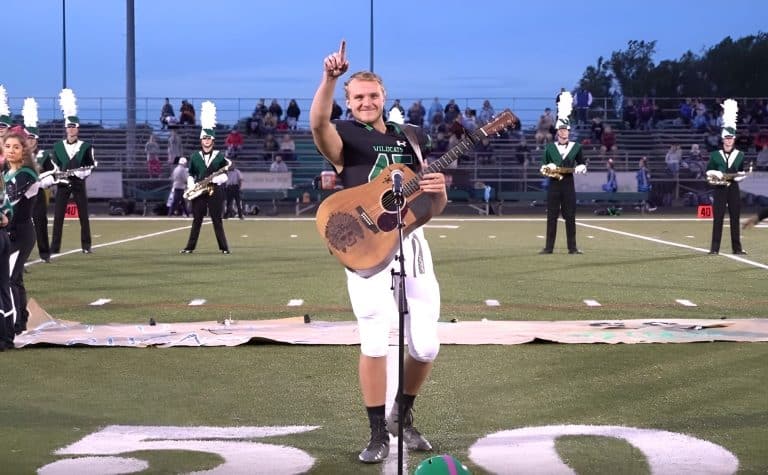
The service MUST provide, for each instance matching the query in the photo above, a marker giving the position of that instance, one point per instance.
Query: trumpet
(206, 184)
(556, 172)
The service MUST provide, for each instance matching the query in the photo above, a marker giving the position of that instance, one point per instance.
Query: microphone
(397, 183)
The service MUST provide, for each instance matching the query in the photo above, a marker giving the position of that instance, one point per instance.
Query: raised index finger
(343, 50)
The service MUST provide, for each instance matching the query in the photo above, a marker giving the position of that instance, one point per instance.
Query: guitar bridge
(367, 221)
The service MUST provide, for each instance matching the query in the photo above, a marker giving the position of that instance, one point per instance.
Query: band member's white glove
(190, 182)
(82, 174)
(580, 169)
(715, 173)
(740, 176)
(47, 181)
(220, 179)
(548, 166)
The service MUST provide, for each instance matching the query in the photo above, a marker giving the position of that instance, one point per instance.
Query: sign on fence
(267, 181)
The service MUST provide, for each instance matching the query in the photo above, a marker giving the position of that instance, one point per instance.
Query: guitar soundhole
(343, 231)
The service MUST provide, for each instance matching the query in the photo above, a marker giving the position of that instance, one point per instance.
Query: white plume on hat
(396, 116)
(68, 105)
(4, 109)
(29, 111)
(730, 115)
(208, 119)
(564, 108)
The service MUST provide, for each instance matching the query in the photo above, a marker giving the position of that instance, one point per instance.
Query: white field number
(525, 450)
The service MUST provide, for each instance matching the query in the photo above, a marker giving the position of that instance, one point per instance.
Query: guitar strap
(414, 141)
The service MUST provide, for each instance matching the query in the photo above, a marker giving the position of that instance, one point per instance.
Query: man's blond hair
(364, 76)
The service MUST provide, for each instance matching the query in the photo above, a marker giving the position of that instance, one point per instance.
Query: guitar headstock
(503, 121)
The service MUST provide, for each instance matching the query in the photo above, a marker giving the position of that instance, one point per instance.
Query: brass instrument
(206, 184)
(727, 178)
(62, 177)
(556, 172)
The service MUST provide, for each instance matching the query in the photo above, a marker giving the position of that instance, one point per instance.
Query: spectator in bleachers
(469, 120)
(152, 150)
(257, 118)
(416, 114)
(451, 112)
(700, 121)
(292, 114)
(610, 185)
(544, 128)
(596, 135)
(166, 114)
(175, 148)
(397, 106)
(686, 112)
(694, 161)
(276, 111)
(484, 151)
(288, 148)
(522, 151)
(583, 102)
(336, 111)
(270, 147)
(435, 108)
(761, 162)
(608, 141)
(672, 159)
(234, 143)
(441, 144)
(278, 165)
(437, 124)
(629, 114)
(761, 140)
(712, 141)
(187, 111)
(269, 123)
(645, 114)
(486, 113)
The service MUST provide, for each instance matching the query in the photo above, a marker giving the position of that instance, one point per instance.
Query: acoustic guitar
(359, 224)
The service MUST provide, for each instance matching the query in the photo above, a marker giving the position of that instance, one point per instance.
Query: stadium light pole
(130, 80)
(371, 53)
(63, 44)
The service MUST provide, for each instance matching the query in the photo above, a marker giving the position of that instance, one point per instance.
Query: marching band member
(21, 186)
(44, 163)
(207, 167)
(724, 172)
(75, 155)
(7, 314)
(565, 158)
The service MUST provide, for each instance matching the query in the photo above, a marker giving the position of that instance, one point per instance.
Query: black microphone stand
(402, 308)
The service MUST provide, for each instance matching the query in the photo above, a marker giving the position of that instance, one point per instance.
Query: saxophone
(727, 178)
(206, 184)
(63, 176)
(556, 172)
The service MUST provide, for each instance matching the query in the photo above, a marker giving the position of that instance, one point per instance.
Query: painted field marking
(592, 303)
(492, 303)
(244, 235)
(294, 235)
(686, 302)
(673, 244)
(295, 303)
(443, 236)
(100, 302)
(491, 237)
(196, 302)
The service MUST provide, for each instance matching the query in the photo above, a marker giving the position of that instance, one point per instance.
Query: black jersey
(367, 151)
(21, 187)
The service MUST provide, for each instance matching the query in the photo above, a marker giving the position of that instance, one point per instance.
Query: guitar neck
(465, 145)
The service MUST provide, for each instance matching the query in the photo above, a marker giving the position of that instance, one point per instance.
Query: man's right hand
(336, 64)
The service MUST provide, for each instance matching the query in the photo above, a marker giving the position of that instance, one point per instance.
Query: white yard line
(674, 244)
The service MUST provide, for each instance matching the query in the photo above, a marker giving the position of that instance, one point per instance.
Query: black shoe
(186, 251)
(225, 251)
(412, 438)
(741, 252)
(19, 328)
(545, 251)
(575, 251)
(54, 251)
(47, 260)
(378, 447)
(87, 251)
(713, 253)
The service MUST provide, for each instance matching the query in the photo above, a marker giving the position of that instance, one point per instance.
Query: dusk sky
(250, 48)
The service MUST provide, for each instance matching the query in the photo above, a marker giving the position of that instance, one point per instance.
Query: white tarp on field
(44, 329)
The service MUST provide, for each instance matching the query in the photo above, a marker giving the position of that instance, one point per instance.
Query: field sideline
(635, 268)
